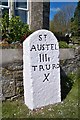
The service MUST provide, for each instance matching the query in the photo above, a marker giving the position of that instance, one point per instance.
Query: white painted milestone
(41, 69)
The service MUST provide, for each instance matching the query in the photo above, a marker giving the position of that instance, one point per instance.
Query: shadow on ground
(66, 84)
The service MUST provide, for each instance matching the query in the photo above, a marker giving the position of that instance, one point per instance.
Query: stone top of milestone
(43, 39)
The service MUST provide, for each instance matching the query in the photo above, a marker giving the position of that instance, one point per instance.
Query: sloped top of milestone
(41, 36)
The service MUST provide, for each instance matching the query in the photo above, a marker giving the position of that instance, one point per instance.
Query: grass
(0, 109)
(68, 108)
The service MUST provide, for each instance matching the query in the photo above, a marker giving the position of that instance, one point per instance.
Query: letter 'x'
(46, 77)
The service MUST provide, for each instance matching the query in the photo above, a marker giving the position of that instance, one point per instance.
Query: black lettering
(58, 65)
(47, 67)
(42, 47)
(56, 47)
(45, 37)
(53, 66)
(40, 57)
(46, 77)
(40, 37)
(47, 45)
(33, 48)
(43, 57)
(48, 59)
(52, 46)
(39, 47)
(41, 67)
(34, 68)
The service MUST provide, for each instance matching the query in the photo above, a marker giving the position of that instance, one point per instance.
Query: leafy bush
(14, 29)
(4, 25)
(63, 44)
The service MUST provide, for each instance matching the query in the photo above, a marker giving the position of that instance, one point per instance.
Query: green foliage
(4, 25)
(63, 44)
(14, 29)
(75, 22)
(72, 77)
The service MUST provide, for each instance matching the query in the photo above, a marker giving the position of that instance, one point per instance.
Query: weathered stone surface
(39, 15)
(10, 56)
(7, 74)
(18, 75)
(41, 71)
(17, 65)
(1, 83)
(8, 88)
(67, 54)
(12, 79)
(71, 65)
